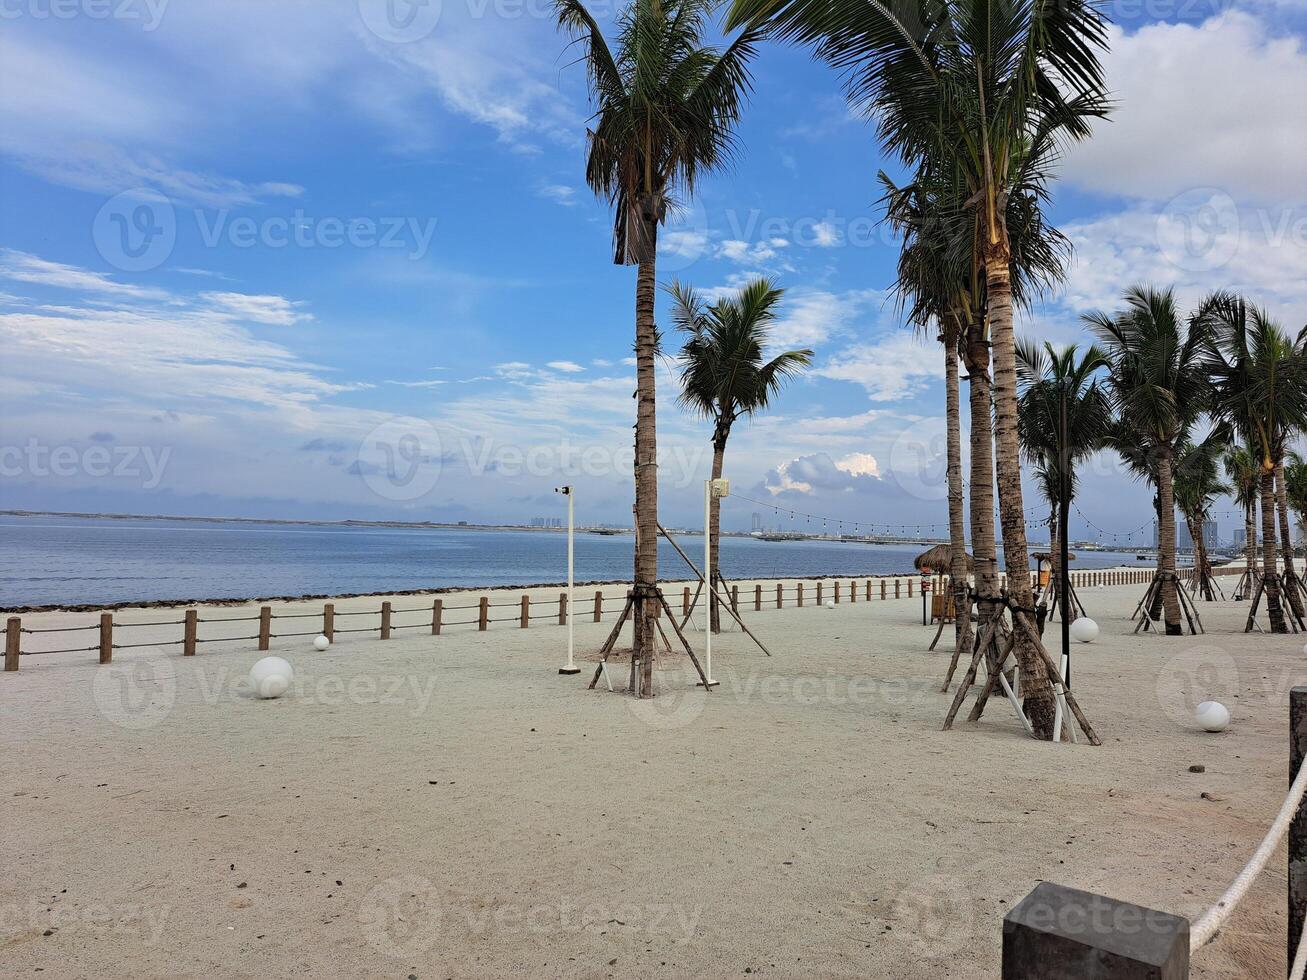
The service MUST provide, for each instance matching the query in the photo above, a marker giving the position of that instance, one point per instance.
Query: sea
(67, 561)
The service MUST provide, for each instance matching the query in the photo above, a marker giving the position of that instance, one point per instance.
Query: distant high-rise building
(1184, 541)
(1211, 537)
(1240, 538)
(757, 521)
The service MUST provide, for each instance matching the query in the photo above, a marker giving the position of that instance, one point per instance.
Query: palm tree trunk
(1286, 542)
(646, 465)
(1055, 557)
(1035, 685)
(984, 548)
(1166, 541)
(1250, 544)
(715, 532)
(1270, 580)
(957, 527)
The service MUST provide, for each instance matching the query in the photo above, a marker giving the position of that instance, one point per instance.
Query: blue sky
(286, 259)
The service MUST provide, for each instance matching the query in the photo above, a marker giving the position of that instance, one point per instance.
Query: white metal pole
(709, 591)
(571, 667)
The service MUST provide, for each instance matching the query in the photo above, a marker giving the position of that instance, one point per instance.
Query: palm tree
(666, 104)
(1158, 386)
(1244, 473)
(1295, 486)
(1197, 484)
(1260, 380)
(986, 98)
(724, 376)
(1046, 375)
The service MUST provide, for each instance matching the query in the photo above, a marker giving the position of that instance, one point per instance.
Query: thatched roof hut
(1045, 556)
(939, 559)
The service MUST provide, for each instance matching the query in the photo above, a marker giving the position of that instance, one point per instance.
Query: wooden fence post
(562, 609)
(757, 598)
(385, 620)
(819, 593)
(909, 588)
(190, 632)
(735, 598)
(526, 612)
(882, 589)
(800, 594)
(13, 641)
(329, 621)
(897, 586)
(853, 592)
(599, 605)
(780, 595)
(483, 614)
(106, 638)
(265, 627)
(868, 595)
(437, 613)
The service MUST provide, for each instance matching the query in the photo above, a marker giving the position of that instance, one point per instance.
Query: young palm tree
(1295, 486)
(1197, 484)
(986, 97)
(666, 104)
(1260, 382)
(1045, 375)
(1244, 473)
(1158, 385)
(724, 376)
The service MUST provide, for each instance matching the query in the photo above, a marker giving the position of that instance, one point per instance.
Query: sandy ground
(451, 807)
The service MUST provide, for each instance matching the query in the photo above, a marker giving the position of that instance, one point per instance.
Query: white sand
(452, 807)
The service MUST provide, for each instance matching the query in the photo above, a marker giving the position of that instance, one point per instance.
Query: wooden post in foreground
(819, 593)
(800, 594)
(525, 616)
(265, 627)
(483, 614)
(562, 609)
(757, 598)
(1057, 931)
(106, 638)
(329, 621)
(780, 595)
(897, 587)
(868, 595)
(853, 592)
(437, 614)
(190, 632)
(599, 605)
(685, 601)
(13, 641)
(882, 589)
(385, 620)
(1298, 828)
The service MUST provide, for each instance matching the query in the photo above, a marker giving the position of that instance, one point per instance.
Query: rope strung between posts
(1205, 928)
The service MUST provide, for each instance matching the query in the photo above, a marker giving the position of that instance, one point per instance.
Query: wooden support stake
(13, 641)
(882, 589)
(265, 627)
(757, 598)
(483, 614)
(819, 593)
(599, 605)
(685, 601)
(897, 589)
(780, 595)
(800, 594)
(562, 609)
(525, 616)
(385, 620)
(329, 621)
(190, 632)
(106, 638)
(437, 614)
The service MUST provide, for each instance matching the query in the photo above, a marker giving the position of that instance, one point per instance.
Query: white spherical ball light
(320, 642)
(830, 603)
(1084, 630)
(271, 677)
(1212, 716)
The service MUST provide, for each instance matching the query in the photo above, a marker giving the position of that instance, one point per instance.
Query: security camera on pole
(718, 489)
(570, 667)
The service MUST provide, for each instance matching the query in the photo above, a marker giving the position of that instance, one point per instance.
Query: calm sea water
(73, 561)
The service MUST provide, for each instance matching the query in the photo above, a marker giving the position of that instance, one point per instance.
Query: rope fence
(1084, 934)
(758, 596)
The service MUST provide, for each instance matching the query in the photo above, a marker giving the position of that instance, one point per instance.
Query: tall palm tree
(1158, 385)
(986, 96)
(1260, 380)
(724, 375)
(1295, 485)
(1197, 484)
(1244, 473)
(1045, 376)
(666, 105)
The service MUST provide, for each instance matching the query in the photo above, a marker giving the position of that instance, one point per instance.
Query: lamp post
(570, 667)
(1064, 514)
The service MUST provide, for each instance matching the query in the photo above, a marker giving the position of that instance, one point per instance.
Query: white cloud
(859, 464)
(559, 194)
(894, 367)
(276, 310)
(809, 317)
(567, 367)
(1206, 105)
(25, 267)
